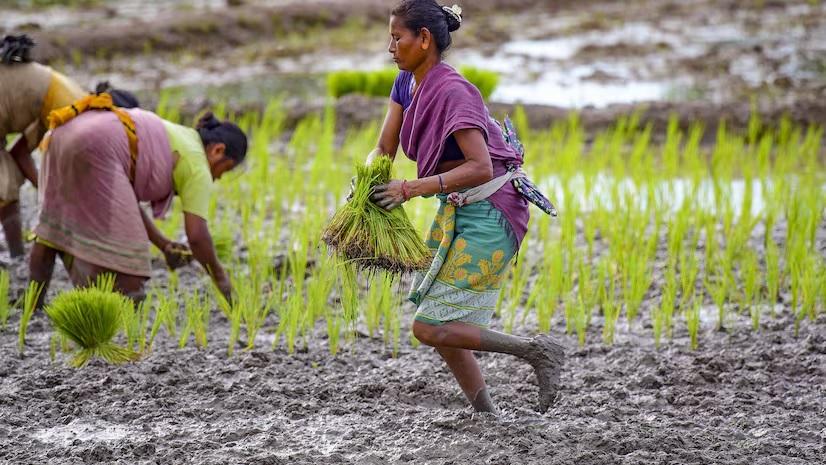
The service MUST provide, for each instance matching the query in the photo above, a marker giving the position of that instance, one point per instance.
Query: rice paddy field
(685, 276)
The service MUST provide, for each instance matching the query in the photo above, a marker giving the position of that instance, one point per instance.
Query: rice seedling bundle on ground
(372, 237)
(90, 318)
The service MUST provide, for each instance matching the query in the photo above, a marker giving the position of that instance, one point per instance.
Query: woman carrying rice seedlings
(28, 92)
(463, 157)
(99, 162)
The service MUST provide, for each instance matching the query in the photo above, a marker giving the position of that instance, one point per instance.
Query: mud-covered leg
(544, 354)
(41, 266)
(13, 228)
(465, 369)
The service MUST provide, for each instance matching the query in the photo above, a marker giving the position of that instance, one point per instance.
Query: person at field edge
(28, 92)
(463, 158)
(99, 162)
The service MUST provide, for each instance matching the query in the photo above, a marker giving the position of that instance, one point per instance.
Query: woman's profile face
(218, 162)
(408, 49)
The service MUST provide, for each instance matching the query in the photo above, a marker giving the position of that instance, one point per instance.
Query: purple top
(402, 94)
(444, 103)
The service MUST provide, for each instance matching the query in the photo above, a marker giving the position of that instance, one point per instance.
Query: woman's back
(23, 88)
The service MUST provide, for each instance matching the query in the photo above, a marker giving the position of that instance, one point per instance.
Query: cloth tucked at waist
(89, 207)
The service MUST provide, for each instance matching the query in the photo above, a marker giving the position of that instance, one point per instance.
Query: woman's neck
(421, 71)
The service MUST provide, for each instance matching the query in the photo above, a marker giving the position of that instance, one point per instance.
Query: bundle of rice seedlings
(91, 317)
(372, 237)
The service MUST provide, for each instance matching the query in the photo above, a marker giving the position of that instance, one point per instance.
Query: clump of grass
(379, 83)
(91, 318)
(372, 237)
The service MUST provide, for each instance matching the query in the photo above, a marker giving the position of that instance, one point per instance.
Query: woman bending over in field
(464, 158)
(100, 162)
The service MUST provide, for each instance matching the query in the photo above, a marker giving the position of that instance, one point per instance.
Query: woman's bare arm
(200, 242)
(389, 138)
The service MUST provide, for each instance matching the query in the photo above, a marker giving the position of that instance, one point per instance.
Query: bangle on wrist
(441, 184)
(405, 192)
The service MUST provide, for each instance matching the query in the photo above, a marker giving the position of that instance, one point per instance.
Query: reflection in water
(672, 193)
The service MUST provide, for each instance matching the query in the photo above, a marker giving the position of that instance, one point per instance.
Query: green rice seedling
(350, 301)
(30, 299)
(290, 320)
(689, 268)
(749, 276)
(520, 272)
(657, 323)
(197, 321)
(392, 322)
(55, 342)
(135, 320)
(547, 288)
(255, 320)
(810, 282)
(5, 307)
(581, 319)
(638, 283)
(589, 230)
(773, 274)
(372, 237)
(671, 148)
(91, 318)
(611, 312)
(319, 288)
(373, 308)
(663, 314)
(669, 300)
(232, 311)
(585, 300)
(166, 313)
(692, 321)
(381, 307)
(334, 321)
(718, 287)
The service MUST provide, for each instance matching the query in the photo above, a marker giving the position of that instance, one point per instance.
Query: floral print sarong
(472, 251)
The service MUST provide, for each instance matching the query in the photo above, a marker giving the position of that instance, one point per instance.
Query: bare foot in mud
(547, 357)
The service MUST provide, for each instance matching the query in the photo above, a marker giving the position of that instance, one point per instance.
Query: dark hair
(439, 20)
(121, 98)
(16, 49)
(214, 131)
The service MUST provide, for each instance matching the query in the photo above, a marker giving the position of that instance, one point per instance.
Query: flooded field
(682, 143)
(570, 55)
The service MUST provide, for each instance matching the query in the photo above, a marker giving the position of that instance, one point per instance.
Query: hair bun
(16, 49)
(103, 86)
(453, 15)
(208, 121)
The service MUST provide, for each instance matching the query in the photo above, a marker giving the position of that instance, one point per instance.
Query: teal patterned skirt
(472, 251)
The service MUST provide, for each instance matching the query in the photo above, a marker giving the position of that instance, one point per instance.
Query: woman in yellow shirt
(100, 164)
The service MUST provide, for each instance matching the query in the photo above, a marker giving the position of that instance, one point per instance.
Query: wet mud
(742, 397)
